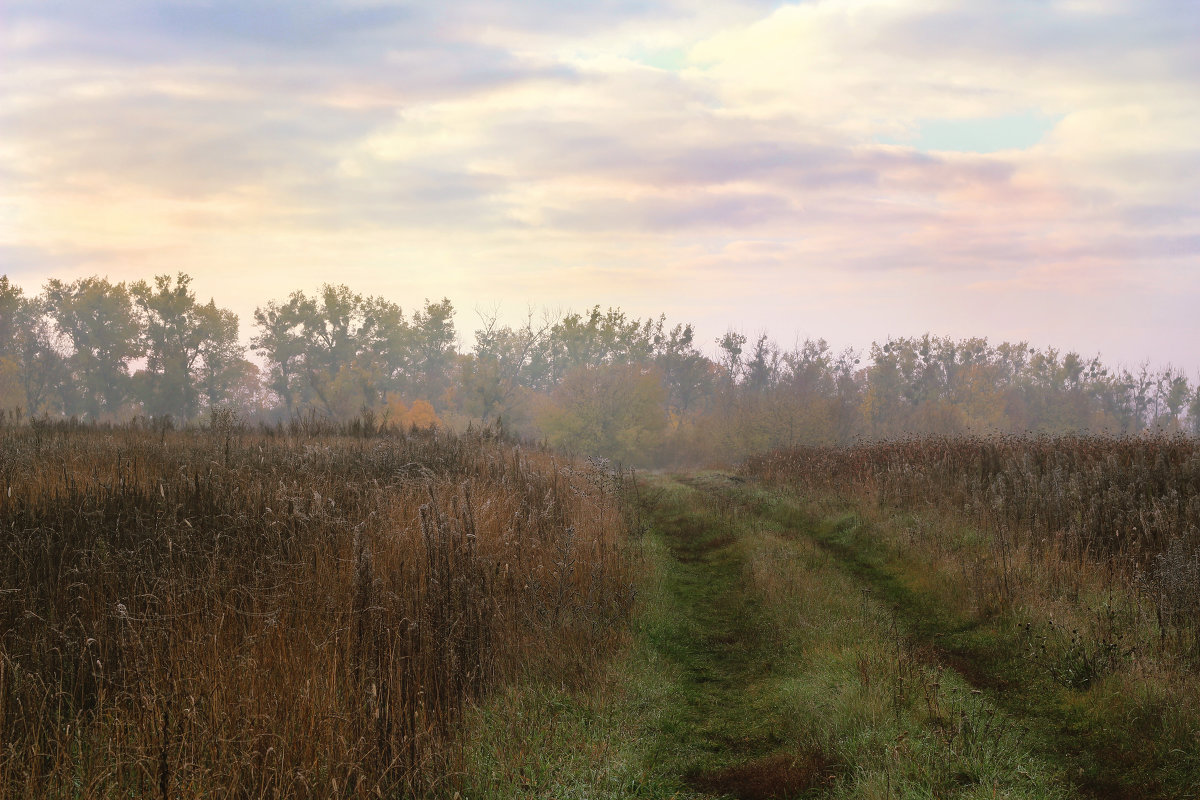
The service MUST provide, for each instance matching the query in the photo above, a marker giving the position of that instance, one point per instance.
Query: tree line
(598, 382)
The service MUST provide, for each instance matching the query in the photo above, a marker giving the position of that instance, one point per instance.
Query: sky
(847, 169)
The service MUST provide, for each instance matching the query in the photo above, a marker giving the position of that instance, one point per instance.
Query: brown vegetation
(1068, 567)
(247, 615)
(1122, 498)
(1126, 506)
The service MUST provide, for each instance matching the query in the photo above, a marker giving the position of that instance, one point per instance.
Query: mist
(593, 382)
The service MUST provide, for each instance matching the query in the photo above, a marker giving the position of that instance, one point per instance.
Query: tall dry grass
(1076, 513)
(1110, 497)
(282, 613)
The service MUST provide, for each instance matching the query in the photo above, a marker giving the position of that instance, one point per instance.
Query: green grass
(760, 665)
(1096, 730)
(712, 631)
(545, 741)
(596, 740)
(862, 690)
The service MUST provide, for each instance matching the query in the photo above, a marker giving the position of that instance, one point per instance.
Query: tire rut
(724, 652)
(933, 643)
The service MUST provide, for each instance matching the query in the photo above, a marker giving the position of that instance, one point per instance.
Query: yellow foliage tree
(11, 394)
(618, 411)
(420, 414)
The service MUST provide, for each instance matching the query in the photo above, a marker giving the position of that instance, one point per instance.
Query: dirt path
(733, 735)
(798, 675)
(992, 666)
(776, 655)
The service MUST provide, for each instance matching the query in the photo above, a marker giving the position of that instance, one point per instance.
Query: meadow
(348, 610)
(1066, 517)
(1061, 574)
(298, 611)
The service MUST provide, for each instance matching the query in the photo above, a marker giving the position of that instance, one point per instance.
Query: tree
(433, 353)
(281, 342)
(505, 362)
(419, 415)
(386, 344)
(12, 300)
(172, 339)
(1140, 386)
(335, 330)
(99, 320)
(686, 371)
(42, 369)
(597, 338)
(1172, 393)
(881, 400)
(223, 367)
(614, 410)
(808, 369)
(762, 371)
(193, 356)
(731, 345)
(342, 352)
(1194, 410)
(246, 393)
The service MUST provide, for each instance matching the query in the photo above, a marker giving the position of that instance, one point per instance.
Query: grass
(420, 615)
(1061, 573)
(595, 737)
(758, 667)
(229, 613)
(1114, 725)
(857, 691)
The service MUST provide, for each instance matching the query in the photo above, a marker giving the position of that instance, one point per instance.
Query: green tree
(1172, 394)
(686, 371)
(172, 338)
(99, 320)
(596, 338)
(281, 342)
(762, 371)
(1194, 411)
(433, 351)
(223, 369)
(341, 351)
(731, 346)
(193, 356)
(42, 368)
(387, 346)
(12, 300)
(335, 328)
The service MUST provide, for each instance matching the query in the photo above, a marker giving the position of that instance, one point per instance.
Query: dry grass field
(287, 612)
(314, 610)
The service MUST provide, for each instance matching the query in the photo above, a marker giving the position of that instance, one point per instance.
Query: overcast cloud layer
(851, 169)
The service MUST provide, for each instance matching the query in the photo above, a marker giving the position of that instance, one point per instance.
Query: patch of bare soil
(778, 777)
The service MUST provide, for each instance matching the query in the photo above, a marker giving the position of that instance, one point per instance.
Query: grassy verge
(594, 738)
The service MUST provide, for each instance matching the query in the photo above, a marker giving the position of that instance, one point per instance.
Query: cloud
(877, 152)
(665, 213)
